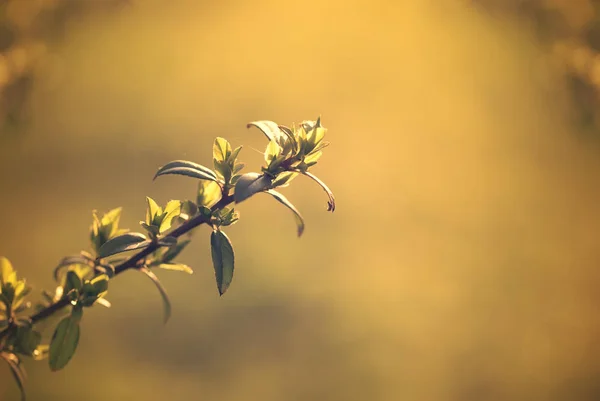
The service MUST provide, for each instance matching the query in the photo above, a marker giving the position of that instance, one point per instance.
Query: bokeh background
(462, 262)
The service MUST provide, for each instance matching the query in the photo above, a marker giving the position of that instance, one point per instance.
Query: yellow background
(461, 262)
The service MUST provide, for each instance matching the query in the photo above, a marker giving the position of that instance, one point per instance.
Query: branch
(132, 262)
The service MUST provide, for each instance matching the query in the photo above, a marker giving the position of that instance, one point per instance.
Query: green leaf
(153, 231)
(27, 340)
(209, 193)
(269, 128)
(283, 179)
(161, 289)
(223, 260)
(17, 370)
(72, 281)
(250, 184)
(172, 210)
(179, 267)
(7, 273)
(81, 259)
(64, 341)
(331, 202)
(283, 200)
(187, 171)
(272, 151)
(123, 243)
(221, 149)
(234, 155)
(201, 170)
(100, 284)
(152, 210)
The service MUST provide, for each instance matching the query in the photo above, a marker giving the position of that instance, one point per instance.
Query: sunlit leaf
(179, 267)
(152, 210)
(223, 259)
(7, 273)
(283, 179)
(297, 216)
(17, 370)
(331, 202)
(186, 165)
(161, 290)
(250, 184)
(188, 172)
(64, 341)
(123, 243)
(221, 149)
(272, 151)
(269, 128)
(209, 193)
(172, 210)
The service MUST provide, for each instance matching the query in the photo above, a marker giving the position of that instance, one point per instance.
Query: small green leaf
(153, 231)
(283, 200)
(152, 210)
(189, 172)
(209, 193)
(72, 281)
(161, 289)
(250, 184)
(172, 210)
(100, 284)
(123, 243)
(272, 152)
(186, 165)
(269, 128)
(331, 202)
(223, 260)
(234, 155)
(283, 179)
(17, 370)
(179, 267)
(221, 149)
(7, 273)
(64, 341)
(27, 340)
(81, 259)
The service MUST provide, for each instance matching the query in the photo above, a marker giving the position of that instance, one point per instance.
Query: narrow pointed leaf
(161, 290)
(179, 267)
(64, 341)
(269, 128)
(123, 243)
(297, 216)
(223, 260)
(17, 370)
(186, 164)
(250, 184)
(187, 171)
(331, 202)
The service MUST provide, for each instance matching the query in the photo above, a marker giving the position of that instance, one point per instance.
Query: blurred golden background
(461, 263)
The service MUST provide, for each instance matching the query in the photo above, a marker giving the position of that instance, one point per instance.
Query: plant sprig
(83, 279)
